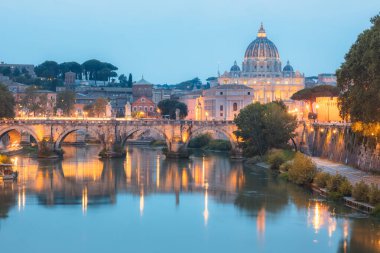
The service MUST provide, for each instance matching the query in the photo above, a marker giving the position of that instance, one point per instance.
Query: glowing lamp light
(334, 131)
(322, 130)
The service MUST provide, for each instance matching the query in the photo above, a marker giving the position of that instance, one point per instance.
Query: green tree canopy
(66, 101)
(7, 102)
(359, 77)
(33, 101)
(96, 109)
(48, 69)
(309, 95)
(264, 126)
(169, 106)
(70, 66)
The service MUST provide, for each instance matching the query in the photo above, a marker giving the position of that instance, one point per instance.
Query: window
(221, 114)
(151, 108)
(142, 99)
(140, 108)
(221, 93)
(249, 93)
(221, 107)
(234, 107)
(146, 108)
(134, 108)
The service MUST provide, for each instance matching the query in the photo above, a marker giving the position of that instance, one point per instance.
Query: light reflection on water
(206, 204)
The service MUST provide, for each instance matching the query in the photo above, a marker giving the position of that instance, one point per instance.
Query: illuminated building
(262, 71)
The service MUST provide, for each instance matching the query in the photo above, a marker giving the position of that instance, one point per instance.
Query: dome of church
(262, 47)
(288, 68)
(235, 68)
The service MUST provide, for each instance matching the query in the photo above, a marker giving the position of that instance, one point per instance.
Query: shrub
(275, 158)
(376, 211)
(221, 145)
(321, 179)
(334, 182)
(5, 159)
(345, 188)
(360, 192)
(286, 166)
(200, 141)
(374, 195)
(302, 170)
(158, 143)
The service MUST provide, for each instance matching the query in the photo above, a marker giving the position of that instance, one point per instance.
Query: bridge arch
(207, 129)
(144, 129)
(61, 137)
(19, 129)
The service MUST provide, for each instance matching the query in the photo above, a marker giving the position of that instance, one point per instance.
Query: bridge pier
(47, 150)
(112, 149)
(177, 149)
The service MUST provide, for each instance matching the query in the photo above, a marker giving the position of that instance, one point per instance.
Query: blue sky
(174, 40)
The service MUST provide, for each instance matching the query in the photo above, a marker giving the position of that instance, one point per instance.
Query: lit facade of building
(222, 102)
(262, 71)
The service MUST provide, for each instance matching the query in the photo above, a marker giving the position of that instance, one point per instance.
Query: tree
(48, 69)
(7, 102)
(98, 108)
(97, 70)
(33, 101)
(123, 80)
(70, 66)
(130, 81)
(309, 95)
(169, 106)
(359, 77)
(66, 101)
(264, 126)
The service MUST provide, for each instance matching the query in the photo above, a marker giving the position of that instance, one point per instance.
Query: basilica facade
(262, 71)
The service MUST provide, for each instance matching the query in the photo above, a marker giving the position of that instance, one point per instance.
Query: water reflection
(268, 204)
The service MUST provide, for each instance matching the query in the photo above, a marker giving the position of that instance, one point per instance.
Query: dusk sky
(169, 41)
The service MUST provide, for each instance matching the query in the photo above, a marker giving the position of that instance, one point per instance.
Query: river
(145, 203)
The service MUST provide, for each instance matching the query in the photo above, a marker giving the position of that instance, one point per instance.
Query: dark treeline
(51, 74)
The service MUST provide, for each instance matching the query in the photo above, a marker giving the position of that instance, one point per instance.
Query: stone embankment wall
(338, 143)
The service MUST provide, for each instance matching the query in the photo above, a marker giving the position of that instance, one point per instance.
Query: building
(21, 67)
(262, 71)
(222, 102)
(327, 109)
(118, 97)
(145, 107)
(160, 94)
(70, 78)
(329, 79)
(142, 88)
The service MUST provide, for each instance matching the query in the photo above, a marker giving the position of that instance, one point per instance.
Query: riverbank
(352, 175)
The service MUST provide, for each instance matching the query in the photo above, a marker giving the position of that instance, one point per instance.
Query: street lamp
(206, 115)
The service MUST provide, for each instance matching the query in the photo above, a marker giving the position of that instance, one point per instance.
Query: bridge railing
(105, 121)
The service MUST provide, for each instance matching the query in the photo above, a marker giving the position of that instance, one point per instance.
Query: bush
(158, 143)
(200, 141)
(302, 170)
(221, 145)
(275, 158)
(4, 159)
(321, 179)
(286, 166)
(360, 192)
(345, 188)
(376, 211)
(374, 195)
(334, 182)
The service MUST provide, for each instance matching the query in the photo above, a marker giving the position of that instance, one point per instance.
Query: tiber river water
(145, 203)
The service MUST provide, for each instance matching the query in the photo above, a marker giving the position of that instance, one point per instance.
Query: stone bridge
(111, 133)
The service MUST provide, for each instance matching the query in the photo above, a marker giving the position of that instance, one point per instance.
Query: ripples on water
(145, 203)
